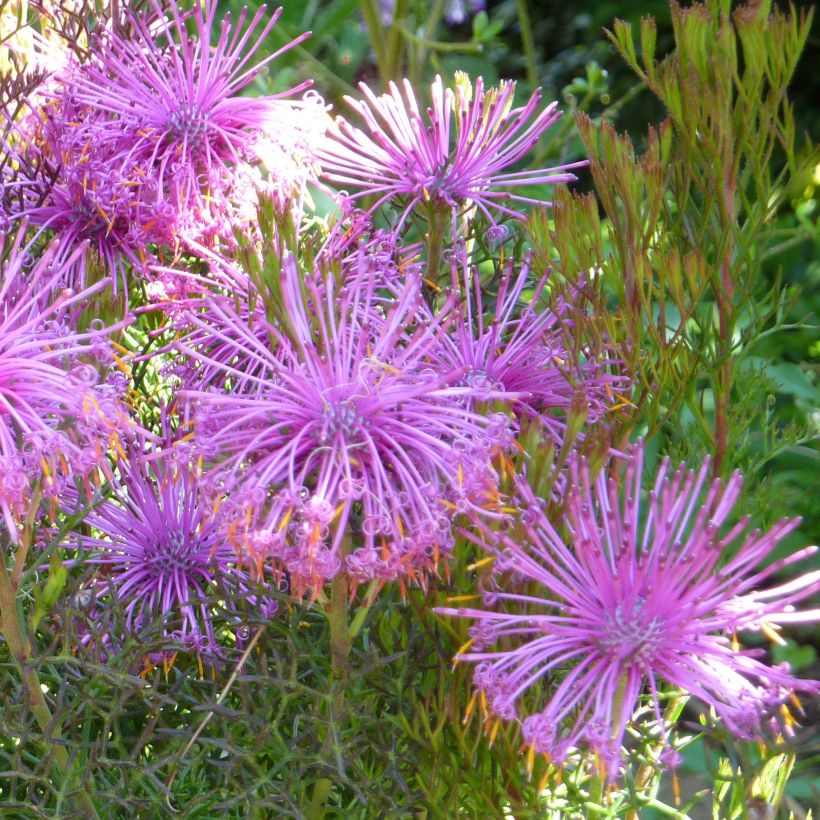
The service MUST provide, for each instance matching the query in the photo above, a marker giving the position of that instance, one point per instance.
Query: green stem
(596, 795)
(25, 541)
(362, 610)
(596, 788)
(435, 243)
(340, 645)
(437, 45)
(528, 44)
(372, 19)
(21, 652)
(786, 245)
(724, 296)
(340, 642)
(648, 770)
(394, 56)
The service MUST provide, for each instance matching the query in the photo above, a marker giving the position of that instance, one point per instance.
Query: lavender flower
(147, 144)
(78, 194)
(456, 12)
(520, 350)
(159, 547)
(179, 99)
(57, 417)
(456, 158)
(338, 444)
(630, 604)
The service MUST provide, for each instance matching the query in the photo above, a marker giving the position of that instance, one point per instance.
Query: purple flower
(180, 295)
(159, 547)
(57, 416)
(629, 604)
(457, 157)
(178, 98)
(338, 444)
(77, 193)
(147, 144)
(520, 350)
(457, 11)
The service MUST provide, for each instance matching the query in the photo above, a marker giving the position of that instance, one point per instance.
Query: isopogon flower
(520, 349)
(338, 447)
(178, 96)
(457, 157)
(58, 413)
(630, 603)
(75, 192)
(160, 550)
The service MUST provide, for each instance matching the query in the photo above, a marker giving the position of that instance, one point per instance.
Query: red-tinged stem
(725, 295)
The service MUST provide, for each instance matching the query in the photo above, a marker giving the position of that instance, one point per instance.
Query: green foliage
(687, 227)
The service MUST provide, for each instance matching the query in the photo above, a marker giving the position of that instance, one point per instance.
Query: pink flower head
(77, 193)
(457, 156)
(337, 445)
(519, 349)
(631, 603)
(178, 96)
(57, 416)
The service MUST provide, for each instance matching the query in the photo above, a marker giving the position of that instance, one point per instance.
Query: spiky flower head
(520, 349)
(457, 157)
(177, 95)
(74, 191)
(58, 413)
(629, 604)
(159, 548)
(341, 448)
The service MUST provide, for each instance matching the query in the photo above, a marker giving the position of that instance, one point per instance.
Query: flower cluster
(111, 210)
(177, 98)
(148, 144)
(360, 396)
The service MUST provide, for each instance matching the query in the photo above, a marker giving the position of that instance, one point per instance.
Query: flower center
(93, 222)
(434, 183)
(342, 415)
(188, 120)
(176, 551)
(632, 634)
